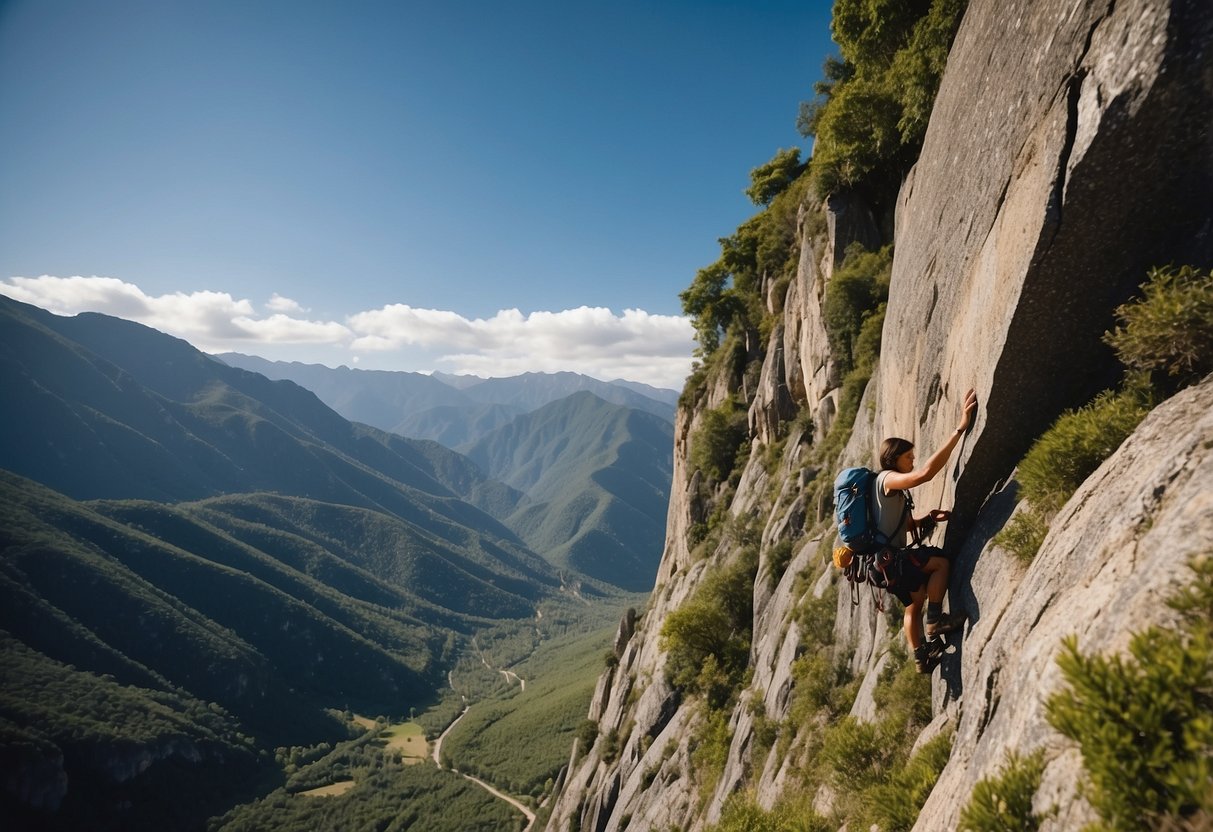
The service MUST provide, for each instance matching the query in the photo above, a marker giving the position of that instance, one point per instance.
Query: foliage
(1076, 444)
(708, 637)
(852, 296)
(1003, 803)
(710, 750)
(871, 112)
(1065, 455)
(779, 556)
(875, 778)
(1144, 722)
(1166, 340)
(728, 295)
(769, 180)
(894, 805)
(587, 734)
(715, 443)
(742, 813)
(550, 713)
(54, 717)
(1023, 535)
(852, 754)
(1169, 332)
(386, 794)
(816, 617)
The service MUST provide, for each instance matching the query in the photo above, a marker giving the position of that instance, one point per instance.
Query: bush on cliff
(1168, 333)
(1165, 339)
(1144, 722)
(715, 443)
(1003, 802)
(708, 637)
(728, 295)
(1063, 457)
(852, 296)
(871, 111)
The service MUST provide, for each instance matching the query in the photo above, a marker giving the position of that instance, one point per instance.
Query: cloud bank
(635, 345)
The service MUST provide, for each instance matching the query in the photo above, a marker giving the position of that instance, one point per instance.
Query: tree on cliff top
(870, 113)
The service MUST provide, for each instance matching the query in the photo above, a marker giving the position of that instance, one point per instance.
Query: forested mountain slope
(199, 565)
(597, 478)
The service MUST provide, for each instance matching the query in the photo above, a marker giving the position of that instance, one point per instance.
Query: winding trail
(510, 676)
(437, 755)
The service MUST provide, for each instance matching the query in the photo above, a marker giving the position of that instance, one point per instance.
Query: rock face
(1069, 151)
(1117, 551)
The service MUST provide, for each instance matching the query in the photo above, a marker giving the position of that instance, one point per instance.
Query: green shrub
(1003, 803)
(742, 813)
(1169, 332)
(1076, 444)
(815, 678)
(902, 694)
(816, 618)
(1065, 455)
(708, 637)
(853, 754)
(710, 751)
(587, 734)
(853, 294)
(871, 112)
(869, 763)
(715, 443)
(894, 806)
(769, 180)
(1144, 722)
(1023, 535)
(779, 556)
(727, 296)
(611, 746)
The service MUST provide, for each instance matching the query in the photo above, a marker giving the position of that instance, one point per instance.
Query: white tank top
(888, 511)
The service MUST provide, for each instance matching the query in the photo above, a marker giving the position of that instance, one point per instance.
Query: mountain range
(198, 563)
(455, 410)
(593, 459)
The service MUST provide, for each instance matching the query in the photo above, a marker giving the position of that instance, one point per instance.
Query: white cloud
(277, 303)
(212, 321)
(635, 345)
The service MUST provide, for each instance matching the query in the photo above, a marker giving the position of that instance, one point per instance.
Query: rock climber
(924, 569)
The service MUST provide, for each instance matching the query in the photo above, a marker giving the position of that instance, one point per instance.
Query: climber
(923, 569)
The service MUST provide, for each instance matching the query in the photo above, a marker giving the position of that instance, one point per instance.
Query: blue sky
(464, 186)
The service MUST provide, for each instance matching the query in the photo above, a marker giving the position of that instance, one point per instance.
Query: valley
(205, 575)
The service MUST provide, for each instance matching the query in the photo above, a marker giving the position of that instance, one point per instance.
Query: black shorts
(911, 575)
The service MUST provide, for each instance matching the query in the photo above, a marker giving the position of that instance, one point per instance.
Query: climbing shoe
(947, 622)
(928, 655)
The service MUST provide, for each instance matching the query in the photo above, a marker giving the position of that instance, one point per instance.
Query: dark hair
(892, 448)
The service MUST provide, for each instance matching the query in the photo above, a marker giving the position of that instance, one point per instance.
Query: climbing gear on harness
(865, 556)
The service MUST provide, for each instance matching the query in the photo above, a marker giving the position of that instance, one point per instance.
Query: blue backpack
(853, 511)
(865, 556)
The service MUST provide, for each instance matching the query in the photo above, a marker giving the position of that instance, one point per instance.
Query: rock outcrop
(1068, 151)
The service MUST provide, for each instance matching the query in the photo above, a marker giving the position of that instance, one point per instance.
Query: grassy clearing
(407, 738)
(333, 790)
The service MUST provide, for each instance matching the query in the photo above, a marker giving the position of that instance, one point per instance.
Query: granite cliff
(1068, 151)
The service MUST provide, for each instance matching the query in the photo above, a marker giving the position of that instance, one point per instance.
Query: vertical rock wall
(1069, 150)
